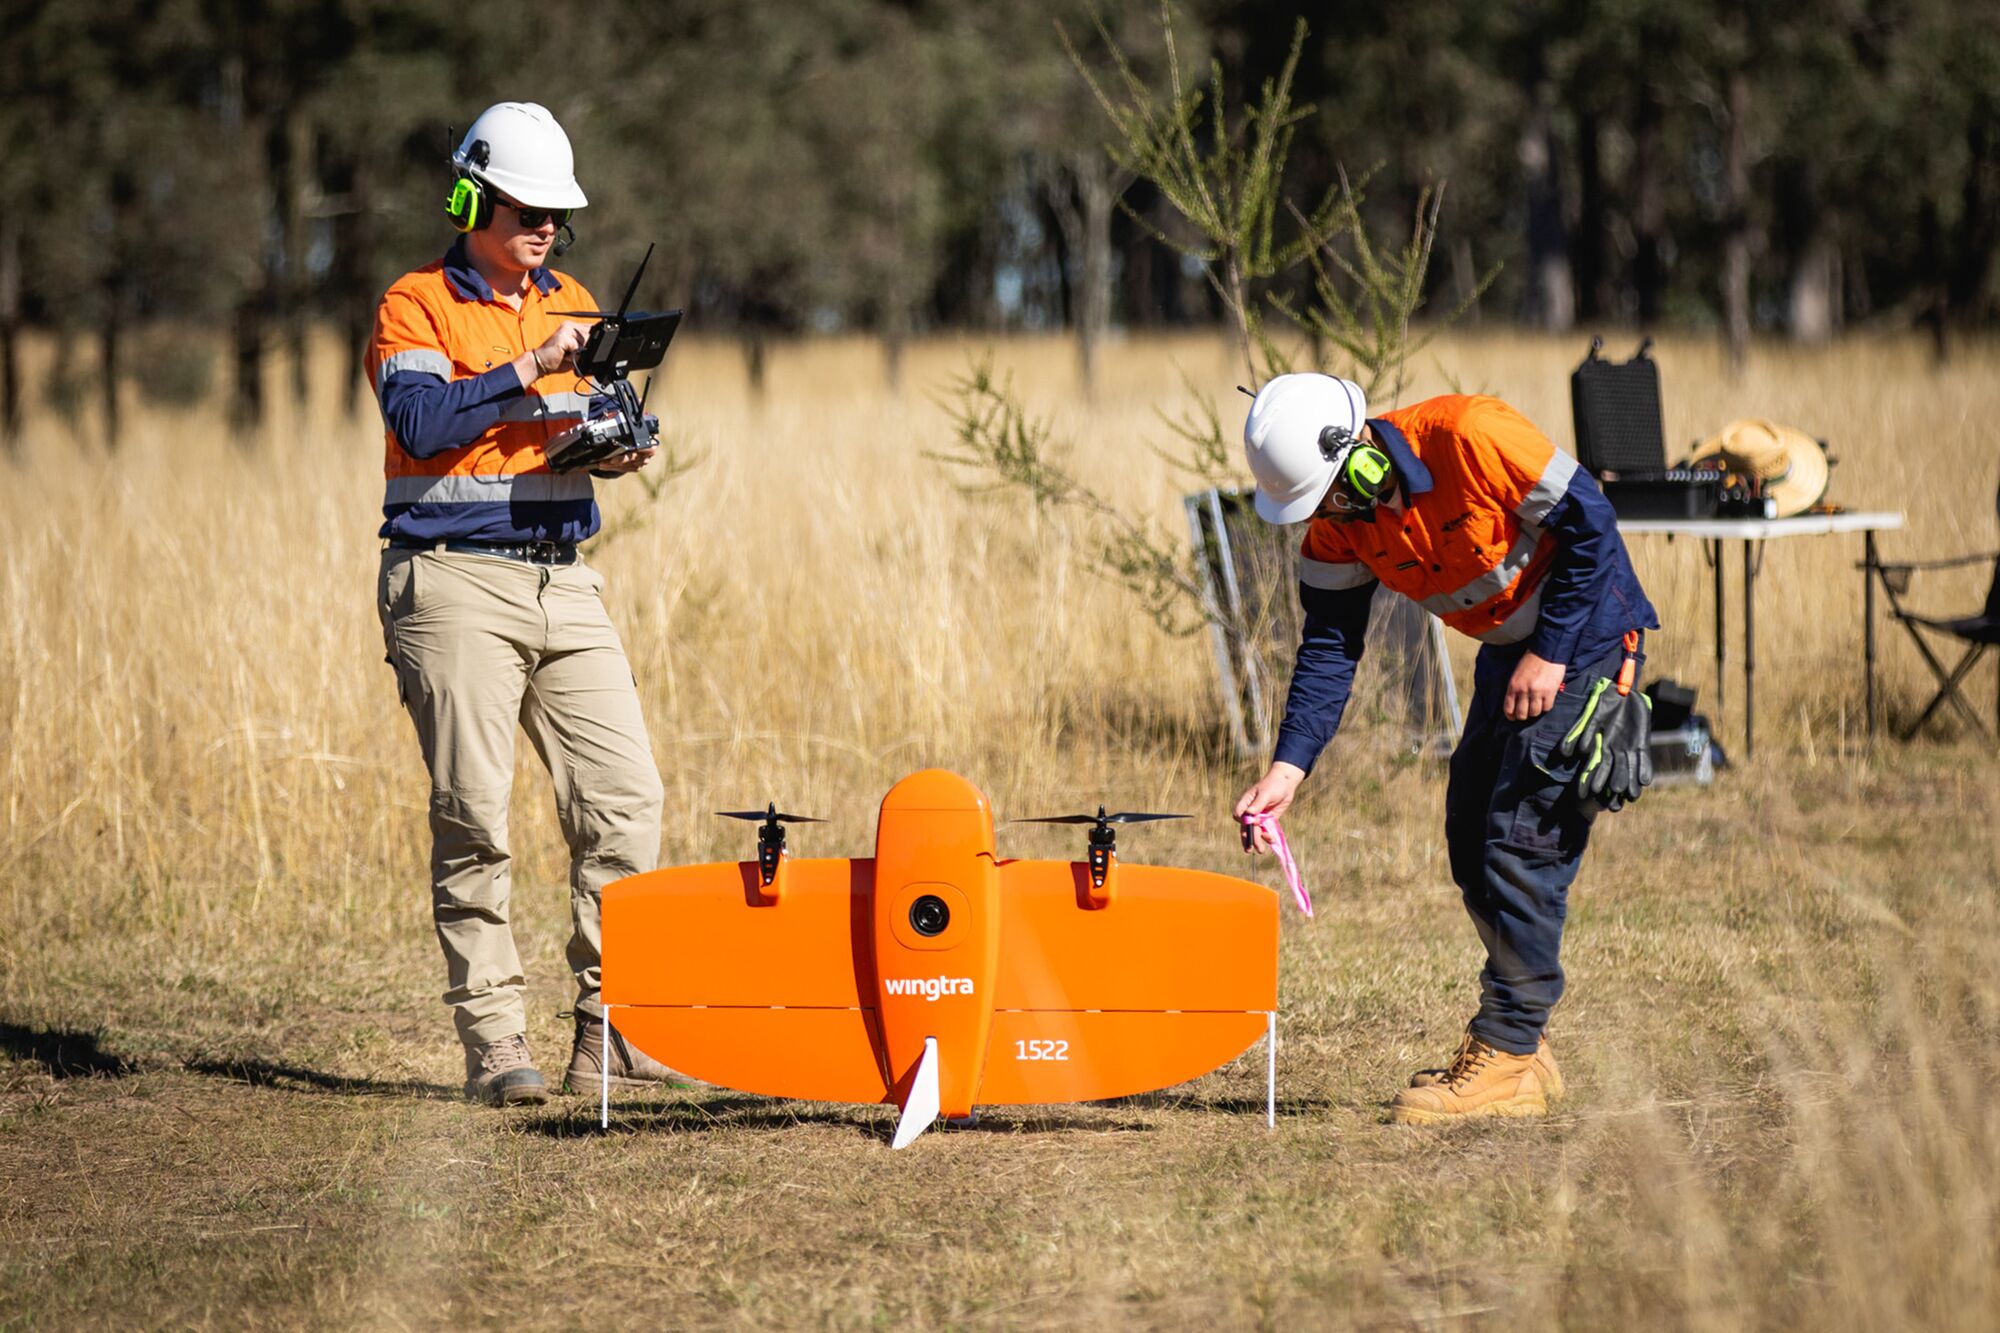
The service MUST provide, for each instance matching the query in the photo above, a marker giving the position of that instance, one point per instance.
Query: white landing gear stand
(604, 1075)
(1270, 1070)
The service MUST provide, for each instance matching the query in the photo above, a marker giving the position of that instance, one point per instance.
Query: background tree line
(902, 166)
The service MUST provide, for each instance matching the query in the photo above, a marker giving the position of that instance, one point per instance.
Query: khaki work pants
(480, 643)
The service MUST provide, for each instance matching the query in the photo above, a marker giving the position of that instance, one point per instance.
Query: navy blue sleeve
(1336, 625)
(429, 415)
(1585, 528)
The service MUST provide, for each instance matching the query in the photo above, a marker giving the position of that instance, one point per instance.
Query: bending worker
(490, 617)
(1463, 506)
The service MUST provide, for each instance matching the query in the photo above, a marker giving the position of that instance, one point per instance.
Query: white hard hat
(1281, 441)
(526, 156)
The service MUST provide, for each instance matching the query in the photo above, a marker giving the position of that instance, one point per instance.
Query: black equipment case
(1620, 440)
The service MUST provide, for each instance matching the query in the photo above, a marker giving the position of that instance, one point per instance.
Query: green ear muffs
(1362, 472)
(467, 206)
(1366, 471)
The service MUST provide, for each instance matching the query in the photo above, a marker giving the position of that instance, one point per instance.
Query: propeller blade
(582, 314)
(760, 816)
(1122, 817)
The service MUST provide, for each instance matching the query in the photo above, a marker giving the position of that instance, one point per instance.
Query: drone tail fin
(920, 1107)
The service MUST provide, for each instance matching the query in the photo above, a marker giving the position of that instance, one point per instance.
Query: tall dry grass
(195, 710)
(212, 803)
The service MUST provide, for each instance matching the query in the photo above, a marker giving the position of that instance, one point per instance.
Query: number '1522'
(1037, 1049)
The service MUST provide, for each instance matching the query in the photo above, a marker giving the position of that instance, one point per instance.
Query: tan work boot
(502, 1073)
(1545, 1070)
(630, 1067)
(1482, 1081)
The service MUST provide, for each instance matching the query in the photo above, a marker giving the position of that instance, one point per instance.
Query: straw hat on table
(1789, 463)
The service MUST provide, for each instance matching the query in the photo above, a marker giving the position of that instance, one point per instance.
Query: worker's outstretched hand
(1613, 737)
(1269, 795)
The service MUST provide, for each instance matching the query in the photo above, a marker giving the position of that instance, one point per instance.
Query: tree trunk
(1551, 288)
(1590, 291)
(110, 341)
(10, 329)
(1812, 292)
(1098, 191)
(1812, 307)
(356, 256)
(1937, 306)
(1978, 222)
(1649, 204)
(246, 410)
(291, 150)
(895, 336)
(1142, 283)
(1736, 224)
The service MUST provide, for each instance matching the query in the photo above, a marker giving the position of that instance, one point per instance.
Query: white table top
(1757, 529)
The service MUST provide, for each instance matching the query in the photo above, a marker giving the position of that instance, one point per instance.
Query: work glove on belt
(1613, 737)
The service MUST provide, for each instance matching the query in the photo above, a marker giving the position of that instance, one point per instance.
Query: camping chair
(1978, 632)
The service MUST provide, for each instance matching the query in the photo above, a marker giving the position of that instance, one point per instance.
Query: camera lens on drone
(929, 915)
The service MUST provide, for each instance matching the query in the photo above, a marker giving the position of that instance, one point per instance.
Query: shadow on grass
(296, 1078)
(699, 1115)
(737, 1111)
(1245, 1106)
(69, 1054)
(64, 1053)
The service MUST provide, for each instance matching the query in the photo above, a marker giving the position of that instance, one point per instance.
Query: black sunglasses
(532, 219)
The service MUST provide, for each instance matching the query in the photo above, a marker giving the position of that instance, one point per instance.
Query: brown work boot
(630, 1067)
(1545, 1070)
(1482, 1081)
(502, 1073)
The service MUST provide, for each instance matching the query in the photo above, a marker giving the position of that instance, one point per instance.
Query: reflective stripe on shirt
(1491, 583)
(1333, 576)
(1519, 624)
(1553, 485)
(419, 360)
(524, 487)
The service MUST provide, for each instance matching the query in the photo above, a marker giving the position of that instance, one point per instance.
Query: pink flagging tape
(1275, 835)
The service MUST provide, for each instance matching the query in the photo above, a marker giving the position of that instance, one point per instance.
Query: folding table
(1750, 531)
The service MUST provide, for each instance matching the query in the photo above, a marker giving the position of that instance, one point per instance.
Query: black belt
(534, 553)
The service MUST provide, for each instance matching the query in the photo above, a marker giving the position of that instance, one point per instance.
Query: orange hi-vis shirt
(463, 446)
(1472, 550)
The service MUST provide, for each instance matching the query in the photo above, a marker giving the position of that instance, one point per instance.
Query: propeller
(1100, 818)
(769, 815)
(1103, 842)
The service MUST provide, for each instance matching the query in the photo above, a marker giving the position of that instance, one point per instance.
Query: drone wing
(1174, 978)
(778, 1000)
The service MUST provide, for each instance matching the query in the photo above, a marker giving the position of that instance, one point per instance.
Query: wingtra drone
(937, 976)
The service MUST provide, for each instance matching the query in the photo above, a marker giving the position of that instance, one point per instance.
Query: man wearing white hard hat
(490, 618)
(1462, 505)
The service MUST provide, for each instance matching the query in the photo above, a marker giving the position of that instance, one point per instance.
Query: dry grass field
(228, 1094)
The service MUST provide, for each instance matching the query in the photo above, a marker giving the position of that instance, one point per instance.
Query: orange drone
(936, 975)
